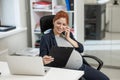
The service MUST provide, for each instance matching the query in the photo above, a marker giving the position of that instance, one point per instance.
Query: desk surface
(52, 74)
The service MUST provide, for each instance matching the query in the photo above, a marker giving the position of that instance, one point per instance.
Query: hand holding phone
(67, 32)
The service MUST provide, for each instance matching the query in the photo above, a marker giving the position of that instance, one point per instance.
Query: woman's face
(60, 25)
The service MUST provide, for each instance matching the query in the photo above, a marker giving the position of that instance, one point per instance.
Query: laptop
(26, 65)
(61, 56)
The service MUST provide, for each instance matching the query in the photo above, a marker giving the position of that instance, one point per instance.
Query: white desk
(52, 74)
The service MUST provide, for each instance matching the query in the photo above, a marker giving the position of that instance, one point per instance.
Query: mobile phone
(63, 32)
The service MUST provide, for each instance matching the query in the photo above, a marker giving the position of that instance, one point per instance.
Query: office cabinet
(95, 21)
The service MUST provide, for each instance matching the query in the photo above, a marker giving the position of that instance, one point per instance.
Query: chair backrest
(46, 22)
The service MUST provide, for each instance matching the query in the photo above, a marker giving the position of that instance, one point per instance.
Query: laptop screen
(60, 55)
(25, 65)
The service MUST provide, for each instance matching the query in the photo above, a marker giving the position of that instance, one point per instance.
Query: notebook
(61, 56)
(25, 65)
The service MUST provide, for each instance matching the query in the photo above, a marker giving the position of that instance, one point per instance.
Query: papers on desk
(28, 52)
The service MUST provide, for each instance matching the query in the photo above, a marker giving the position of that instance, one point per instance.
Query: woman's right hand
(47, 59)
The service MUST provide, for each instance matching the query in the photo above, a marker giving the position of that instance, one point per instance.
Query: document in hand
(61, 56)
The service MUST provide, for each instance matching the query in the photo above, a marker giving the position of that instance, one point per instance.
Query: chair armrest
(95, 58)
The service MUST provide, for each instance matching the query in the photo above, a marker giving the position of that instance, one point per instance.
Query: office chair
(46, 22)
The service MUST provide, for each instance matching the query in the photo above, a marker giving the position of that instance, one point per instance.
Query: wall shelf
(36, 14)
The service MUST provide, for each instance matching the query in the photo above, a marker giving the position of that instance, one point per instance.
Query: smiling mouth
(60, 30)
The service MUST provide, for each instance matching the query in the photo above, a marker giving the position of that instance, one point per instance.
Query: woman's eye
(58, 23)
(64, 24)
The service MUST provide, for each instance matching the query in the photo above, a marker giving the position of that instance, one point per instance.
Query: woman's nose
(61, 26)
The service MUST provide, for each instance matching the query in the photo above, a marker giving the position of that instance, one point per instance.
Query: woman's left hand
(67, 33)
(69, 39)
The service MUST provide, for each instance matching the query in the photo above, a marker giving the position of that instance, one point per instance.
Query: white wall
(13, 12)
(0, 9)
(79, 19)
(7, 12)
(115, 19)
(113, 16)
(20, 13)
